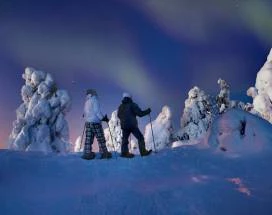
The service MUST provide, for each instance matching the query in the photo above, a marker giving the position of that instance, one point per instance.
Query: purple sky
(155, 49)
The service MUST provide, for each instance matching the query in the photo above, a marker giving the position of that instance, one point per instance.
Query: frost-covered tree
(223, 98)
(262, 92)
(41, 123)
(134, 147)
(162, 130)
(79, 144)
(197, 115)
(114, 142)
(223, 101)
(240, 105)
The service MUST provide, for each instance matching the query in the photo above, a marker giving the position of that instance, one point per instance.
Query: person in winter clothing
(127, 113)
(93, 118)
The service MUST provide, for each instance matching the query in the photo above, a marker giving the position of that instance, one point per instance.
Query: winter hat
(126, 95)
(92, 92)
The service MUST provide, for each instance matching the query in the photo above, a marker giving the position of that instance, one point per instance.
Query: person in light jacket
(93, 124)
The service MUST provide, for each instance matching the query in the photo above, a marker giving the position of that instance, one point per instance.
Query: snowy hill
(184, 180)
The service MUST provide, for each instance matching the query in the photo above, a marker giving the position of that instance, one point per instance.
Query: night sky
(154, 49)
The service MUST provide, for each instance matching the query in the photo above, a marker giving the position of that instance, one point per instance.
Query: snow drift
(41, 123)
(241, 133)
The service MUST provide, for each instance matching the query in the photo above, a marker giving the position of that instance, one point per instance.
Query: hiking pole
(82, 136)
(152, 133)
(112, 141)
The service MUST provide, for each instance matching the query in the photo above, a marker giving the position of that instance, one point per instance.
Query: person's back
(92, 112)
(127, 113)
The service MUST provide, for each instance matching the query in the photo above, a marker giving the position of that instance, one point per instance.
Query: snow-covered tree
(240, 105)
(223, 101)
(223, 98)
(197, 115)
(114, 135)
(162, 130)
(41, 123)
(79, 145)
(134, 147)
(262, 92)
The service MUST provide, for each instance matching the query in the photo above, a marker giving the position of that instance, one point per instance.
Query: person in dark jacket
(127, 113)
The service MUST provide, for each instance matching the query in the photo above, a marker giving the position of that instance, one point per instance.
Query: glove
(148, 111)
(105, 119)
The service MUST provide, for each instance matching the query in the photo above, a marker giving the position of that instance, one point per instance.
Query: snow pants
(94, 130)
(137, 133)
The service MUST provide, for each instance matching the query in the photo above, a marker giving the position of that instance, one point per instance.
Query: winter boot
(145, 152)
(142, 148)
(127, 155)
(222, 148)
(88, 156)
(106, 155)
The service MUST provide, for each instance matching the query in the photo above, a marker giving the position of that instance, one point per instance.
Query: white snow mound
(227, 133)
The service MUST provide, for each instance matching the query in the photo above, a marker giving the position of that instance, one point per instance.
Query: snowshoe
(88, 156)
(106, 155)
(146, 152)
(127, 155)
(222, 148)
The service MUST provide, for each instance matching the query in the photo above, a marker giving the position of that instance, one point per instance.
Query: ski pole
(82, 136)
(112, 141)
(152, 133)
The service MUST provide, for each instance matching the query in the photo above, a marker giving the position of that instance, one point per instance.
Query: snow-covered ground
(185, 180)
(181, 181)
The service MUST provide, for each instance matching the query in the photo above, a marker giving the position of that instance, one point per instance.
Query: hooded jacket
(127, 113)
(92, 112)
